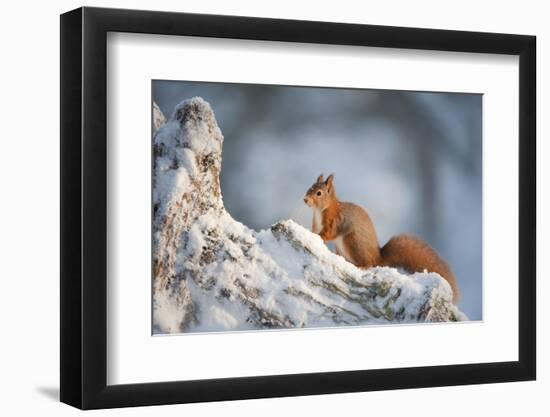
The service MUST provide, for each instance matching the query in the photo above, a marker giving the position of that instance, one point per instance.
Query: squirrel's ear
(320, 178)
(328, 182)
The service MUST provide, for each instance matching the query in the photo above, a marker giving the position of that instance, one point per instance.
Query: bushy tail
(415, 255)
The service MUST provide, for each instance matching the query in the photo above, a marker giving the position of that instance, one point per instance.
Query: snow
(198, 124)
(158, 117)
(213, 273)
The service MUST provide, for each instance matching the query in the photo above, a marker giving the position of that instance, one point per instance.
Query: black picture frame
(84, 207)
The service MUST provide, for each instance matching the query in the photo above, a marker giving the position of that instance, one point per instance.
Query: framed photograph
(258, 208)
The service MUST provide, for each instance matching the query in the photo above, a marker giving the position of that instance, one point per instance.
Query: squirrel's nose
(305, 200)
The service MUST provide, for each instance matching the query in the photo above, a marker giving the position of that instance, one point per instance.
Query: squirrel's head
(321, 193)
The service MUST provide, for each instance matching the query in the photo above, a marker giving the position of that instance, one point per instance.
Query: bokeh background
(413, 160)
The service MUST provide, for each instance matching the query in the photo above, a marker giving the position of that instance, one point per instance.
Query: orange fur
(354, 235)
(415, 255)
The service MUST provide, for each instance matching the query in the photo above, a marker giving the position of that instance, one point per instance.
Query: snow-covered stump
(213, 273)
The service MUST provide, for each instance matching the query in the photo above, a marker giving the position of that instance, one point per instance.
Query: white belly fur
(339, 244)
(318, 218)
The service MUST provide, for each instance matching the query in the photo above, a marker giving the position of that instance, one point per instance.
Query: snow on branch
(212, 273)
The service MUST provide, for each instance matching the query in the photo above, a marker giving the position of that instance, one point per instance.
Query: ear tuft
(320, 178)
(328, 182)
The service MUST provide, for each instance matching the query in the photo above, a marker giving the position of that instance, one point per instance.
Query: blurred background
(413, 160)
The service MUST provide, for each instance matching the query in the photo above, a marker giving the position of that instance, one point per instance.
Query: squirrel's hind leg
(354, 252)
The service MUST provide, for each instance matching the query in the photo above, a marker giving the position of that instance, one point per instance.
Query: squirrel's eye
(319, 192)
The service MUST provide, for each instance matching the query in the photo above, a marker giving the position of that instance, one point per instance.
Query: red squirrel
(354, 236)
